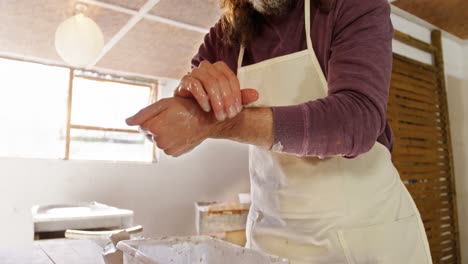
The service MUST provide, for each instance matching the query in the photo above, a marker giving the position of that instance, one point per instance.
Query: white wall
(456, 70)
(162, 195)
(458, 108)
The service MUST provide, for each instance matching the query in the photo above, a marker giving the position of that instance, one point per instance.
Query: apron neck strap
(307, 28)
(241, 57)
(307, 24)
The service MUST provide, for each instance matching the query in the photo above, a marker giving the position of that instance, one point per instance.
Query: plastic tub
(190, 250)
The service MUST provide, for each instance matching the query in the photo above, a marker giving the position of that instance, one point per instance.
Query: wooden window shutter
(418, 115)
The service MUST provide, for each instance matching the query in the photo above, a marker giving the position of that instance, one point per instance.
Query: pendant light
(78, 39)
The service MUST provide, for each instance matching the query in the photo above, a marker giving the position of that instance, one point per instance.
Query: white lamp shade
(79, 41)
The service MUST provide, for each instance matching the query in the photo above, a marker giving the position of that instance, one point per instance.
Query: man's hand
(176, 125)
(216, 87)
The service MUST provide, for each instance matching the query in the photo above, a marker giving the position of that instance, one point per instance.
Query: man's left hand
(176, 125)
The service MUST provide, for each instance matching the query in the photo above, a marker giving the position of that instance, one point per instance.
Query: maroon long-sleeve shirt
(353, 45)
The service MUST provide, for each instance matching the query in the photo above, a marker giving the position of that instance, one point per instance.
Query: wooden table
(57, 251)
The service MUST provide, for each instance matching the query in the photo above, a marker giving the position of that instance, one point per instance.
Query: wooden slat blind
(422, 153)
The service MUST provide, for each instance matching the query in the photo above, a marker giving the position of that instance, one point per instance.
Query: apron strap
(307, 24)
(313, 56)
(241, 57)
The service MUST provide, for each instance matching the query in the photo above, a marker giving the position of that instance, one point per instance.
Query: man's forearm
(252, 126)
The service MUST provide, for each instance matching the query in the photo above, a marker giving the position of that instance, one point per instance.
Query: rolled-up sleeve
(350, 119)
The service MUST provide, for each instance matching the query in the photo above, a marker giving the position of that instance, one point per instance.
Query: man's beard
(271, 7)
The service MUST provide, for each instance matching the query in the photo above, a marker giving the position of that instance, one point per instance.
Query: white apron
(333, 210)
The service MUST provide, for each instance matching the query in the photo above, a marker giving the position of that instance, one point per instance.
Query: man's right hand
(216, 87)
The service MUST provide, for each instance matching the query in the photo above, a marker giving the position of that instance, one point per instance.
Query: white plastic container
(190, 250)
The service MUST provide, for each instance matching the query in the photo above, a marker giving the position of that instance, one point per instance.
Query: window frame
(153, 96)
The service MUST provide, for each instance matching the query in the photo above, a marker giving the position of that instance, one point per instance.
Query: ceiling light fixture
(78, 39)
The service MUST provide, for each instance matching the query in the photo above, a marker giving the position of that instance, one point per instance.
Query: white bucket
(190, 250)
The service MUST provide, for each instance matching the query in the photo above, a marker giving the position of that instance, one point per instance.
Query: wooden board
(68, 251)
(32, 254)
(56, 251)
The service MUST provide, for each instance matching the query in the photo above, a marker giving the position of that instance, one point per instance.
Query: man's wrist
(226, 129)
(252, 126)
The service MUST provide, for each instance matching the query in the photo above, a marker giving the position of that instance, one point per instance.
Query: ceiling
(449, 15)
(159, 44)
(152, 38)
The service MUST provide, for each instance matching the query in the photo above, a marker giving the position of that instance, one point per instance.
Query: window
(40, 120)
(33, 100)
(97, 124)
